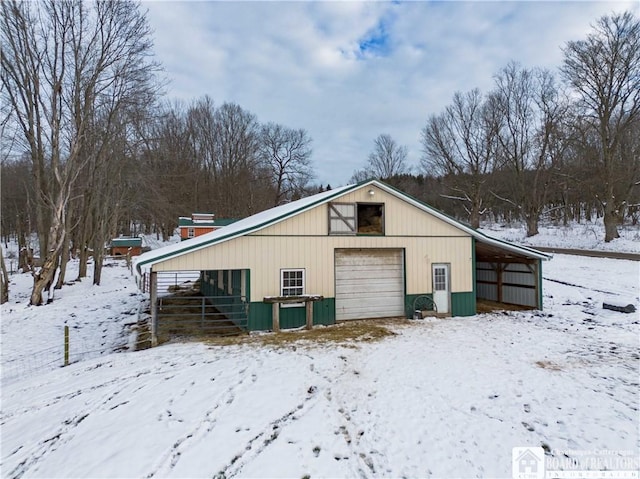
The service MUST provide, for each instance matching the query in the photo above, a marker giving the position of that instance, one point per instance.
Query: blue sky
(349, 71)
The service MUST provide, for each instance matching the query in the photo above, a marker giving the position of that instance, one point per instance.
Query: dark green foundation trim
(261, 319)
(260, 316)
(409, 301)
(463, 304)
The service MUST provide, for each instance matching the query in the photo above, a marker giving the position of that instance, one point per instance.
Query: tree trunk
(474, 217)
(532, 224)
(97, 267)
(611, 221)
(43, 279)
(64, 259)
(4, 281)
(83, 258)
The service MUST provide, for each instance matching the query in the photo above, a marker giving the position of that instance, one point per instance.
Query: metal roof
(126, 241)
(280, 213)
(189, 222)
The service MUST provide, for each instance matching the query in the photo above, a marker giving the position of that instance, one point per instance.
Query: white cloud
(300, 63)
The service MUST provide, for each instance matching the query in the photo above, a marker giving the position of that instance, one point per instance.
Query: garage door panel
(364, 272)
(369, 283)
(378, 296)
(354, 285)
(355, 260)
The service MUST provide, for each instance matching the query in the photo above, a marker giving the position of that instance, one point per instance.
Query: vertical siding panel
(265, 255)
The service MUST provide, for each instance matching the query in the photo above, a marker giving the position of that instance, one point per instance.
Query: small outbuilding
(199, 224)
(367, 250)
(126, 245)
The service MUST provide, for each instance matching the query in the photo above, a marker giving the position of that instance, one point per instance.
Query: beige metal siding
(302, 241)
(265, 256)
(369, 283)
(400, 217)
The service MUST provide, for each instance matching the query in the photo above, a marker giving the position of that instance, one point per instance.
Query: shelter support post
(153, 296)
(309, 311)
(307, 299)
(276, 317)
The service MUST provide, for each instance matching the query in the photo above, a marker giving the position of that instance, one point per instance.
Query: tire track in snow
(47, 446)
(171, 458)
(261, 441)
(65, 432)
(369, 461)
(266, 437)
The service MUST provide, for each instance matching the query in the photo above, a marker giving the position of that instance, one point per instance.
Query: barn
(123, 246)
(199, 224)
(361, 251)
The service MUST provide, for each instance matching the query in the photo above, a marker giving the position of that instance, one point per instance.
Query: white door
(441, 287)
(369, 283)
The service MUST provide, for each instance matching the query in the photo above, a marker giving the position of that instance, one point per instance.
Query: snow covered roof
(240, 227)
(280, 213)
(479, 236)
(126, 241)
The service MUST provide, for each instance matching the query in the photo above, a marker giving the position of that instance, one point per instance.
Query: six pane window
(440, 279)
(292, 282)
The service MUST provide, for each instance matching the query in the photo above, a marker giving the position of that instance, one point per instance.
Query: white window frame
(283, 287)
(191, 232)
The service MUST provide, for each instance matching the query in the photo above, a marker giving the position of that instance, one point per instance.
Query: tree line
(538, 144)
(91, 150)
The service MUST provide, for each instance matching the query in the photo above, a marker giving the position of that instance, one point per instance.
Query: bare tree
(64, 64)
(285, 152)
(236, 145)
(359, 176)
(461, 144)
(530, 111)
(604, 70)
(171, 178)
(387, 158)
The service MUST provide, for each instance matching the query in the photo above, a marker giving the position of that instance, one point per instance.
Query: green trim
(189, 223)
(409, 299)
(463, 304)
(247, 285)
(404, 280)
(540, 295)
(359, 235)
(190, 246)
(260, 318)
(261, 315)
(131, 242)
(249, 229)
(473, 275)
(459, 224)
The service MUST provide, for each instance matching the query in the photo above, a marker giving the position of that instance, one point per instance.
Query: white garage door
(369, 283)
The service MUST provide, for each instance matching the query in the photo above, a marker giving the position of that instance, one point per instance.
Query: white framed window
(191, 232)
(292, 283)
(440, 278)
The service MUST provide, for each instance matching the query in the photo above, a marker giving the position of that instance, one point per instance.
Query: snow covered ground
(586, 235)
(439, 398)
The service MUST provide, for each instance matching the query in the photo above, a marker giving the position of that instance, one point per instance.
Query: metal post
(66, 345)
(202, 312)
(276, 317)
(153, 297)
